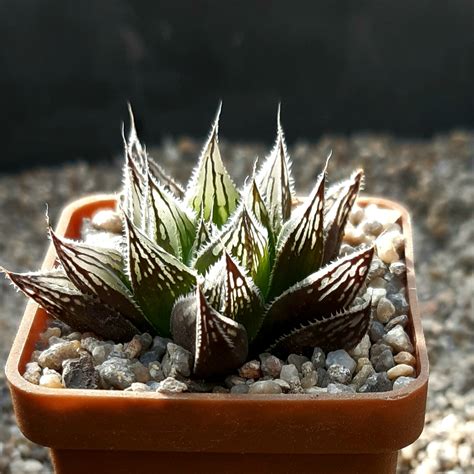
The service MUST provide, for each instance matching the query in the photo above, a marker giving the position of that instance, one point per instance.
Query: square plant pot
(124, 432)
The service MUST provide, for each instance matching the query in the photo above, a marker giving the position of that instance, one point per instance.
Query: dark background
(67, 69)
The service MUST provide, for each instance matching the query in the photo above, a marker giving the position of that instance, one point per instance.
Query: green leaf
(341, 199)
(324, 292)
(62, 300)
(202, 236)
(342, 330)
(133, 189)
(219, 344)
(275, 181)
(246, 240)
(158, 278)
(211, 187)
(301, 245)
(94, 272)
(168, 222)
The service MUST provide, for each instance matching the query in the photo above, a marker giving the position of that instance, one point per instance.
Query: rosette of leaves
(222, 271)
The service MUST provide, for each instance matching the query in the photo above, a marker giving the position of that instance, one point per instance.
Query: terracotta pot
(126, 432)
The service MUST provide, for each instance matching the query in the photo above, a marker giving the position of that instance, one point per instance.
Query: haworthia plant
(222, 271)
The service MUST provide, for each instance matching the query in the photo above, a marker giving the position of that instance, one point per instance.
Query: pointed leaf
(301, 244)
(157, 277)
(93, 272)
(62, 300)
(202, 236)
(168, 222)
(160, 175)
(211, 187)
(133, 189)
(326, 291)
(343, 330)
(220, 344)
(342, 199)
(275, 181)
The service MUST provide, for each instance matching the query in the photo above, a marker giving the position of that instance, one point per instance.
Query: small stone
(376, 331)
(339, 374)
(240, 389)
(90, 343)
(289, 373)
(265, 387)
(232, 380)
(323, 377)
(402, 382)
(310, 379)
(251, 370)
(307, 368)
(219, 389)
(153, 384)
(139, 387)
(315, 390)
(398, 339)
(357, 215)
(400, 370)
(101, 352)
(177, 361)
(54, 356)
(297, 360)
(26, 466)
(378, 282)
(398, 268)
(377, 294)
(386, 247)
(159, 346)
(378, 348)
(385, 310)
(149, 356)
(156, 372)
(401, 320)
(362, 349)
(50, 379)
(141, 372)
(35, 356)
(342, 358)
(116, 372)
(334, 388)
(80, 373)
(117, 351)
(171, 385)
(49, 333)
(318, 358)
(377, 268)
(32, 372)
(383, 362)
(285, 386)
(378, 382)
(139, 344)
(270, 365)
(399, 301)
(74, 336)
(405, 358)
(361, 362)
(372, 227)
(345, 249)
(108, 221)
(394, 284)
(361, 377)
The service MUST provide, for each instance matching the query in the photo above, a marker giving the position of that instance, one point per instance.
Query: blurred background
(384, 85)
(68, 68)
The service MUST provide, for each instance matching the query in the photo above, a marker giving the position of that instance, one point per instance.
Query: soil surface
(433, 178)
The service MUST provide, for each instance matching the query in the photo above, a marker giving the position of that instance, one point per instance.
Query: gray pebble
(376, 331)
(54, 356)
(318, 358)
(340, 374)
(270, 365)
(362, 349)
(289, 373)
(334, 388)
(394, 284)
(385, 310)
(137, 346)
(116, 372)
(101, 352)
(315, 390)
(285, 386)
(177, 361)
(342, 358)
(400, 303)
(171, 385)
(377, 268)
(378, 348)
(297, 360)
(32, 372)
(402, 382)
(307, 368)
(150, 356)
(398, 268)
(376, 294)
(156, 372)
(80, 373)
(265, 387)
(401, 320)
(383, 362)
(159, 346)
(361, 377)
(232, 380)
(309, 380)
(378, 382)
(398, 339)
(240, 389)
(323, 377)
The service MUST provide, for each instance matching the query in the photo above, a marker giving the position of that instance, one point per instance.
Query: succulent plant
(222, 271)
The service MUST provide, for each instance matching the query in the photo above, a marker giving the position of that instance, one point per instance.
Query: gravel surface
(434, 178)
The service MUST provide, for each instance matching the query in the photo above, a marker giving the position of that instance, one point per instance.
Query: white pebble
(107, 220)
(386, 249)
(400, 370)
(51, 379)
(398, 339)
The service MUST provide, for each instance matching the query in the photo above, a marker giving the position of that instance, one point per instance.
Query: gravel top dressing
(434, 179)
